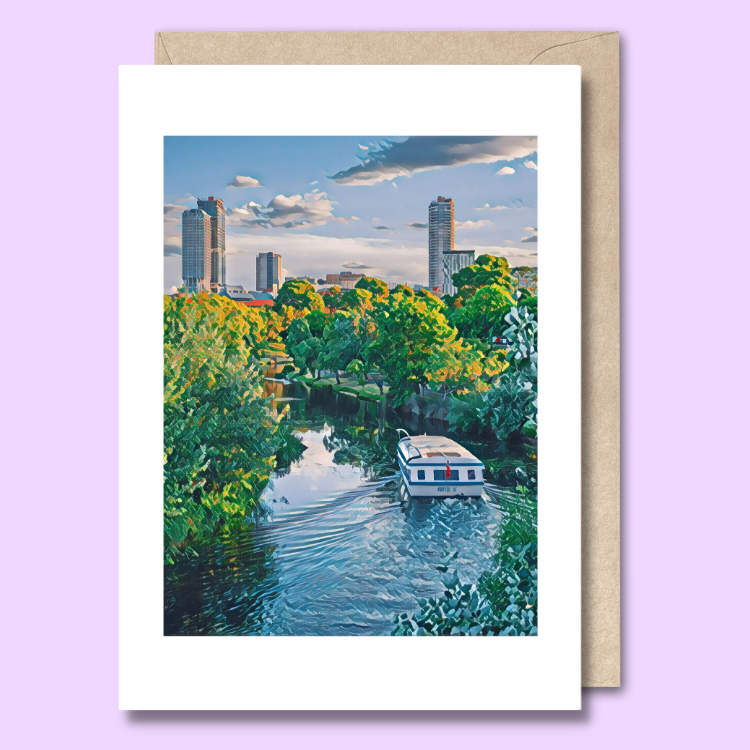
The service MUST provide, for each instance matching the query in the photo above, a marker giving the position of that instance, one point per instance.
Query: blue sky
(326, 204)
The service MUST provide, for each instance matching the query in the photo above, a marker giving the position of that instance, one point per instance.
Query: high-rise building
(214, 207)
(196, 250)
(269, 275)
(454, 261)
(441, 238)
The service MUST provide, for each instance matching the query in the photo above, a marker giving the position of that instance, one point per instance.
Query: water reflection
(340, 546)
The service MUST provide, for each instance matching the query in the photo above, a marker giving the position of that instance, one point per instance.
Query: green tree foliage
(304, 348)
(376, 287)
(332, 297)
(299, 295)
(403, 336)
(356, 299)
(453, 364)
(485, 271)
(341, 344)
(356, 369)
(510, 405)
(317, 320)
(220, 434)
(403, 289)
(483, 314)
(524, 298)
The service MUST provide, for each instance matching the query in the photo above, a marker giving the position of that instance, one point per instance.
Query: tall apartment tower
(268, 274)
(196, 250)
(454, 261)
(214, 207)
(441, 238)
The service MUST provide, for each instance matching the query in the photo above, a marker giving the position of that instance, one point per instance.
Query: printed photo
(350, 385)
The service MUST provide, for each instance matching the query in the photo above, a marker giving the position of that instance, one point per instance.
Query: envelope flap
(360, 47)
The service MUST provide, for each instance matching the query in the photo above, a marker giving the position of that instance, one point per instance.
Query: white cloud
(404, 158)
(506, 170)
(172, 210)
(355, 218)
(288, 211)
(376, 218)
(238, 216)
(471, 224)
(530, 229)
(364, 148)
(314, 182)
(530, 164)
(487, 207)
(244, 182)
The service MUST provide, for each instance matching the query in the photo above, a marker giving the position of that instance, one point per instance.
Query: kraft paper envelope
(598, 55)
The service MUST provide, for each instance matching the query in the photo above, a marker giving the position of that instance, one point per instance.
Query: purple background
(684, 270)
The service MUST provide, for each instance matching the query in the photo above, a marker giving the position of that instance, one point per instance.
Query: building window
(420, 474)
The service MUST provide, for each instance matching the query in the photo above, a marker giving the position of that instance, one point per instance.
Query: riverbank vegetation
(222, 440)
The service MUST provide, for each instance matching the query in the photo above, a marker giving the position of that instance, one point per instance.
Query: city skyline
(339, 203)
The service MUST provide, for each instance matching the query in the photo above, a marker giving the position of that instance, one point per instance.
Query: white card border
(342, 673)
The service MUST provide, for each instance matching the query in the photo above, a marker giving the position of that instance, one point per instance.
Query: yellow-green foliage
(220, 434)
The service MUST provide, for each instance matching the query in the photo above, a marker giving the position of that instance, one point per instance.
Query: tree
(214, 473)
(357, 370)
(340, 345)
(332, 297)
(302, 345)
(403, 289)
(485, 271)
(453, 364)
(299, 295)
(483, 314)
(524, 298)
(405, 332)
(356, 299)
(378, 288)
(317, 320)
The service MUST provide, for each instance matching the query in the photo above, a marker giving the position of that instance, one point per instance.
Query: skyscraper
(268, 273)
(441, 238)
(196, 250)
(454, 261)
(214, 207)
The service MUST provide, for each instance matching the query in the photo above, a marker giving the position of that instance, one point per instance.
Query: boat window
(472, 474)
(420, 474)
(408, 474)
(448, 453)
(439, 474)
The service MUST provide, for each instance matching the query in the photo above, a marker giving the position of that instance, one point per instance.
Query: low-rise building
(527, 278)
(251, 299)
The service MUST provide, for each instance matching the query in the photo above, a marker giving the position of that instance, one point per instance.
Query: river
(338, 548)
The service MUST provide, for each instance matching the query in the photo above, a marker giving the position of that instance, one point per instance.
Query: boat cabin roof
(421, 448)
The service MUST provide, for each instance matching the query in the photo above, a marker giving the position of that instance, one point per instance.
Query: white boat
(436, 466)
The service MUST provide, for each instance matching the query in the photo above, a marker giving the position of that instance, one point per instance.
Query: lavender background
(684, 271)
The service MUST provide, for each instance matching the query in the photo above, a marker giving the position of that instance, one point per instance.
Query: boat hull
(442, 489)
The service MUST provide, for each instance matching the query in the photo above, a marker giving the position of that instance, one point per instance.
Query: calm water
(339, 547)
